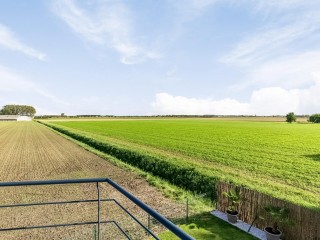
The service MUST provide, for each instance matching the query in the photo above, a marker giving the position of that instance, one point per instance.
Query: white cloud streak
(110, 24)
(273, 40)
(192, 8)
(292, 71)
(9, 41)
(280, 5)
(12, 83)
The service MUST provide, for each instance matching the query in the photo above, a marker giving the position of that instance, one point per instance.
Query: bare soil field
(30, 151)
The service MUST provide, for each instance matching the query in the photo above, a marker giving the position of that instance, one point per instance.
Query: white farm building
(15, 118)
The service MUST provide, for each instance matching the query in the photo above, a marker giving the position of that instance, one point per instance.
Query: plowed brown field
(30, 151)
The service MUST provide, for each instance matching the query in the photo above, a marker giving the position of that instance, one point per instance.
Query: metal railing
(151, 212)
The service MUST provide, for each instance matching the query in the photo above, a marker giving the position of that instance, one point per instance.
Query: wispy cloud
(107, 23)
(292, 71)
(192, 8)
(9, 41)
(11, 83)
(274, 40)
(280, 5)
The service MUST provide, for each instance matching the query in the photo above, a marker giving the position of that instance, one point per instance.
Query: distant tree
(315, 118)
(18, 110)
(291, 117)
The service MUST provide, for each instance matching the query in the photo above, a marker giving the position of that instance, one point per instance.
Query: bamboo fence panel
(306, 222)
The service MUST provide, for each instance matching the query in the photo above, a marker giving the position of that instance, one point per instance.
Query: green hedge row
(315, 118)
(183, 176)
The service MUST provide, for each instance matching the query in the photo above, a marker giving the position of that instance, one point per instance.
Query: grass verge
(205, 226)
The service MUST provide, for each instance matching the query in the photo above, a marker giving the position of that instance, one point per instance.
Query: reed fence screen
(306, 222)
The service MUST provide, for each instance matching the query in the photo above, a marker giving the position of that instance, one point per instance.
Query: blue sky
(144, 57)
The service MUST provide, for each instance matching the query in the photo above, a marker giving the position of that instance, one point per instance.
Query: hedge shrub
(315, 118)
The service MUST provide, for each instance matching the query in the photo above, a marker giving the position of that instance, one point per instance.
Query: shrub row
(315, 118)
(183, 176)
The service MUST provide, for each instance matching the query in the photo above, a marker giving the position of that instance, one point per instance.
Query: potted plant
(277, 215)
(233, 199)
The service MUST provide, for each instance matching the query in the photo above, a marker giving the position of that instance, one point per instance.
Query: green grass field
(276, 158)
(207, 227)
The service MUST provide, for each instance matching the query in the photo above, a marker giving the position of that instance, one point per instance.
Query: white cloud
(109, 24)
(192, 7)
(263, 102)
(293, 71)
(10, 81)
(187, 11)
(273, 40)
(274, 101)
(272, 5)
(168, 104)
(288, 26)
(9, 41)
(13, 84)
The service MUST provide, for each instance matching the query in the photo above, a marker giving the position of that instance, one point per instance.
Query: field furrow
(31, 151)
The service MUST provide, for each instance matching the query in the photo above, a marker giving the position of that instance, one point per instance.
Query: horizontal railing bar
(52, 182)
(53, 226)
(81, 201)
(169, 225)
(53, 203)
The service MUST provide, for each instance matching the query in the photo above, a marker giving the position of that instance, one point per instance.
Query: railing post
(98, 189)
(149, 221)
(187, 210)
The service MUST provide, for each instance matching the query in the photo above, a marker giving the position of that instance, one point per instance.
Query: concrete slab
(258, 233)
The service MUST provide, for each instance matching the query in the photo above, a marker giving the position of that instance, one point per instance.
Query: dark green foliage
(278, 215)
(182, 176)
(233, 197)
(314, 118)
(291, 117)
(18, 110)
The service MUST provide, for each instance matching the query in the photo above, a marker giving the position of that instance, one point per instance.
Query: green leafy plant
(234, 200)
(277, 215)
(291, 117)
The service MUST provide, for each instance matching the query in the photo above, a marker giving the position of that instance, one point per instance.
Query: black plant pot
(272, 235)
(232, 216)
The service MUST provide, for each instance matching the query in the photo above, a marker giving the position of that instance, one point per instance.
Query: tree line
(314, 118)
(13, 109)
